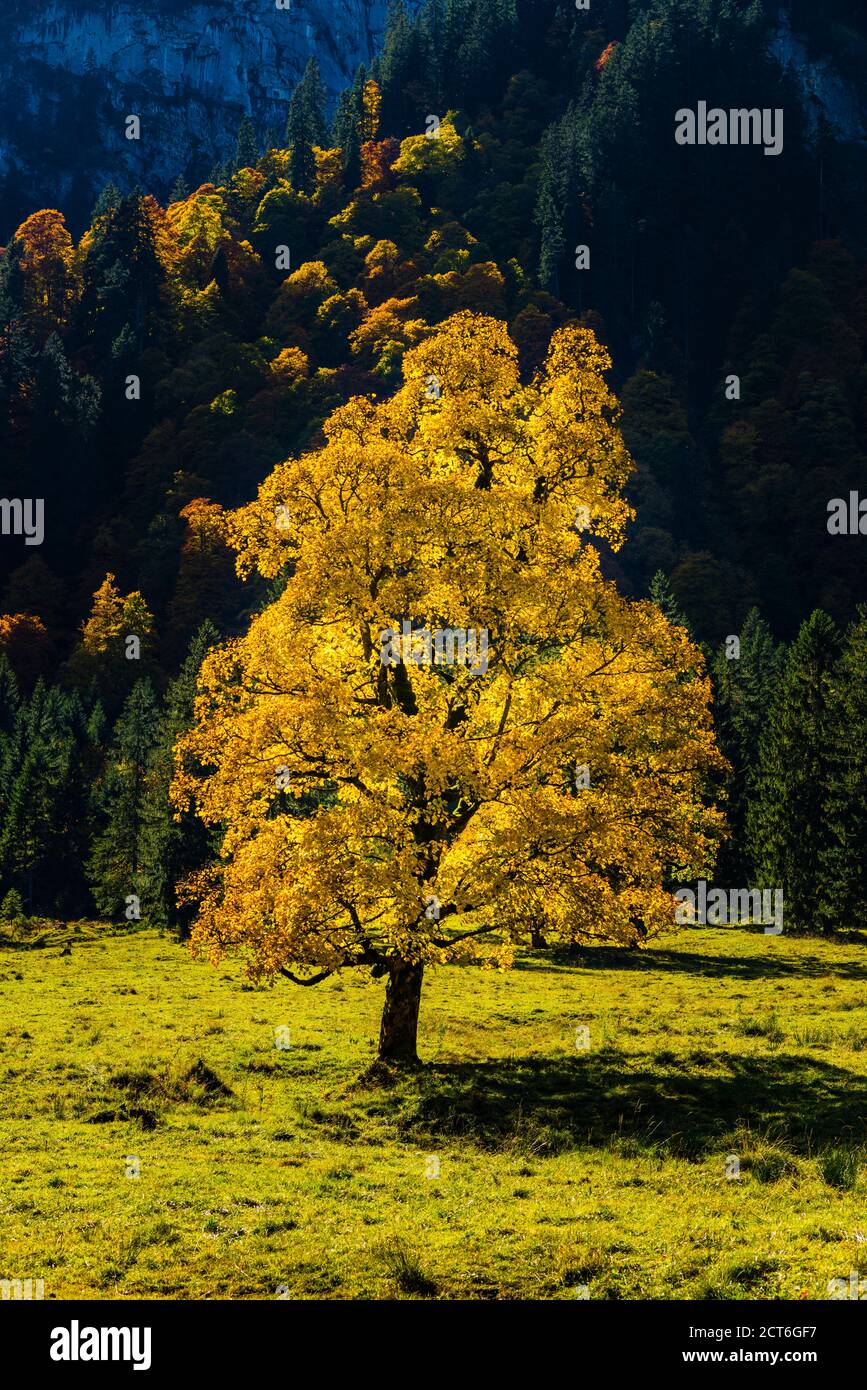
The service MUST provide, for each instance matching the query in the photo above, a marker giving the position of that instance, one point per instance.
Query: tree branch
(314, 979)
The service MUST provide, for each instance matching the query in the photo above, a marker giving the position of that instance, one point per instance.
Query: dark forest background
(155, 364)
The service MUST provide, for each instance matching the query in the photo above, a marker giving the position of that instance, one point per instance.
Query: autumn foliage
(396, 816)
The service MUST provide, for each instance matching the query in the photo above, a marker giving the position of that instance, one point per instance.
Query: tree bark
(399, 1031)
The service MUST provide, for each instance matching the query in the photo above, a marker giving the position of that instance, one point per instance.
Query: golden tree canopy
(379, 811)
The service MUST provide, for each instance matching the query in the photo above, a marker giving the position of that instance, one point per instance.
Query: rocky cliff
(71, 71)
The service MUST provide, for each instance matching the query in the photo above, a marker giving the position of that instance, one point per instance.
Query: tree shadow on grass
(681, 1106)
(766, 966)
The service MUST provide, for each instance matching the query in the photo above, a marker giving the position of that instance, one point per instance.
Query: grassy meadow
(514, 1165)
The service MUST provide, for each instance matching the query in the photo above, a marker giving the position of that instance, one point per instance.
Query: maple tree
(102, 653)
(399, 815)
(47, 270)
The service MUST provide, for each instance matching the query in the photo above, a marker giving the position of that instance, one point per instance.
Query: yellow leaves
(371, 104)
(479, 287)
(329, 170)
(387, 326)
(247, 184)
(383, 255)
(113, 616)
(359, 794)
(424, 154)
(290, 366)
(197, 221)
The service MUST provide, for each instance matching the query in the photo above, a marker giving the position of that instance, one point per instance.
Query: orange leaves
(50, 283)
(605, 55)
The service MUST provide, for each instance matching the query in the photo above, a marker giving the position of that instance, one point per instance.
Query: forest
(431, 574)
(158, 366)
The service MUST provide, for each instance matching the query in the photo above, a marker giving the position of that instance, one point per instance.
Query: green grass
(513, 1165)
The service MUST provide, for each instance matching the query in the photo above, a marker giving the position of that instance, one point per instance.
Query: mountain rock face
(71, 71)
(822, 87)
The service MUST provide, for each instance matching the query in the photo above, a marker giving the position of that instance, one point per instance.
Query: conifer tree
(663, 595)
(246, 147)
(302, 161)
(557, 194)
(107, 201)
(744, 688)
(116, 858)
(123, 280)
(788, 836)
(173, 847)
(844, 865)
(346, 133)
(306, 127)
(314, 99)
(488, 49)
(9, 697)
(398, 67)
(37, 766)
(17, 353)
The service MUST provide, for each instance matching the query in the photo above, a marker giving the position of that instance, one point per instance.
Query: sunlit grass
(514, 1165)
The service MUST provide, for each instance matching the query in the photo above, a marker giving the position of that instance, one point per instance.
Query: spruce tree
(313, 96)
(246, 147)
(744, 688)
(107, 201)
(9, 697)
(172, 848)
(398, 70)
(123, 282)
(116, 858)
(302, 161)
(788, 836)
(17, 353)
(37, 773)
(489, 48)
(844, 865)
(557, 195)
(346, 133)
(663, 595)
(180, 190)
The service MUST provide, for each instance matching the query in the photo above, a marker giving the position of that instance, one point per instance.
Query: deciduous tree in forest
(47, 269)
(116, 643)
(400, 815)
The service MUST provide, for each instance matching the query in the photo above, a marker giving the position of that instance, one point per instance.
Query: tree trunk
(399, 1031)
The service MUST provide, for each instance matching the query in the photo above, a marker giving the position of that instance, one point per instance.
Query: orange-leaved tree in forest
(50, 282)
(450, 730)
